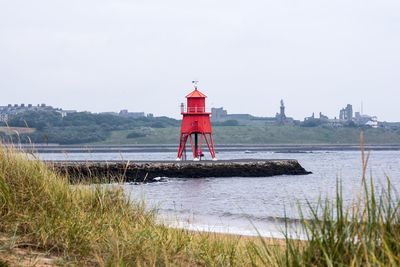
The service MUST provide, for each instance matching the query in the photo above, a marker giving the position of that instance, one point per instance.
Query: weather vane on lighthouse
(195, 84)
(196, 125)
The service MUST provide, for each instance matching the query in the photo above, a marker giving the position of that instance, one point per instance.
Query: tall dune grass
(95, 225)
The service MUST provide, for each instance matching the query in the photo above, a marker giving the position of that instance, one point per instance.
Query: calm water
(237, 205)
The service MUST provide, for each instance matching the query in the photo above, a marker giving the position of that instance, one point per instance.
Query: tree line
(76, 128)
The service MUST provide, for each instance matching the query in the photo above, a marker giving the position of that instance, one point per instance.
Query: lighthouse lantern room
(196, 125)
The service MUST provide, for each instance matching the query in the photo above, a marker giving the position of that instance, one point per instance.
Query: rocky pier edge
(151, 171)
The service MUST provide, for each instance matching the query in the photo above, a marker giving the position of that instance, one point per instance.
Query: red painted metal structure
(196, 125)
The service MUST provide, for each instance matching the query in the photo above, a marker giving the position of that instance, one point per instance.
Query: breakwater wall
(149, 171)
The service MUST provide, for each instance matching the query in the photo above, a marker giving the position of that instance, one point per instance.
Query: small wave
(293, 152)
(155, 180)
(260, 218)
(180, 211)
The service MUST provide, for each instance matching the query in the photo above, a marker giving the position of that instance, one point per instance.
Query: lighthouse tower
(196, 125)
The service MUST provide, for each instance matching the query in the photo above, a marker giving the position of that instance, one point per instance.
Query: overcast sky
(141, 55)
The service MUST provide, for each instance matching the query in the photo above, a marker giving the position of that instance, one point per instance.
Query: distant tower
(349, 112)
(196, 125)
(346, 113)
(283, 116)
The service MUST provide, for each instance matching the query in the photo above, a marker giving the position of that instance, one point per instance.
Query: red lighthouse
(196, 125)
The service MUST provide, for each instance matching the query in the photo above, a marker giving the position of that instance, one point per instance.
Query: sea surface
(252, 206)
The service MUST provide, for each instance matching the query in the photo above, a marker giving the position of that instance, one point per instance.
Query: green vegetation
(83, 127)
(76, 128)
(227, 123)
(262, 135)
(169, 135)
(97, 225)
(301, 135)
(13, 130)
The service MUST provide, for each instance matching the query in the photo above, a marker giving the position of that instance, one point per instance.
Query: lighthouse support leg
(196, 146)
(213, 148)
(210, 145)
(199, 148)
(182, 145)
(193, 146)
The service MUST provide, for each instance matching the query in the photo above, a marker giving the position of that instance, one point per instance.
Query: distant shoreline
(154, 148)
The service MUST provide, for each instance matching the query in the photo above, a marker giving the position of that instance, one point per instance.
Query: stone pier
(149, 171)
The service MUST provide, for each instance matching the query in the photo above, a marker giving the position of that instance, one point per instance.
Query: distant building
(65, 113)
(282, 119)
(346, 113)
(366, 120)
(218, 114)
(323, 117)
(312, 117)
(373, 122)
(126, 113)
(10, 110)
(221, 115)
(322, 120)
(244, 117)
(346, 118)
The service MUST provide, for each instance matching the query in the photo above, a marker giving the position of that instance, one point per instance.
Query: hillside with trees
(49, 127)
(76, 128)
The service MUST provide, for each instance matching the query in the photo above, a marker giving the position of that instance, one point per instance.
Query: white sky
(103, 55)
